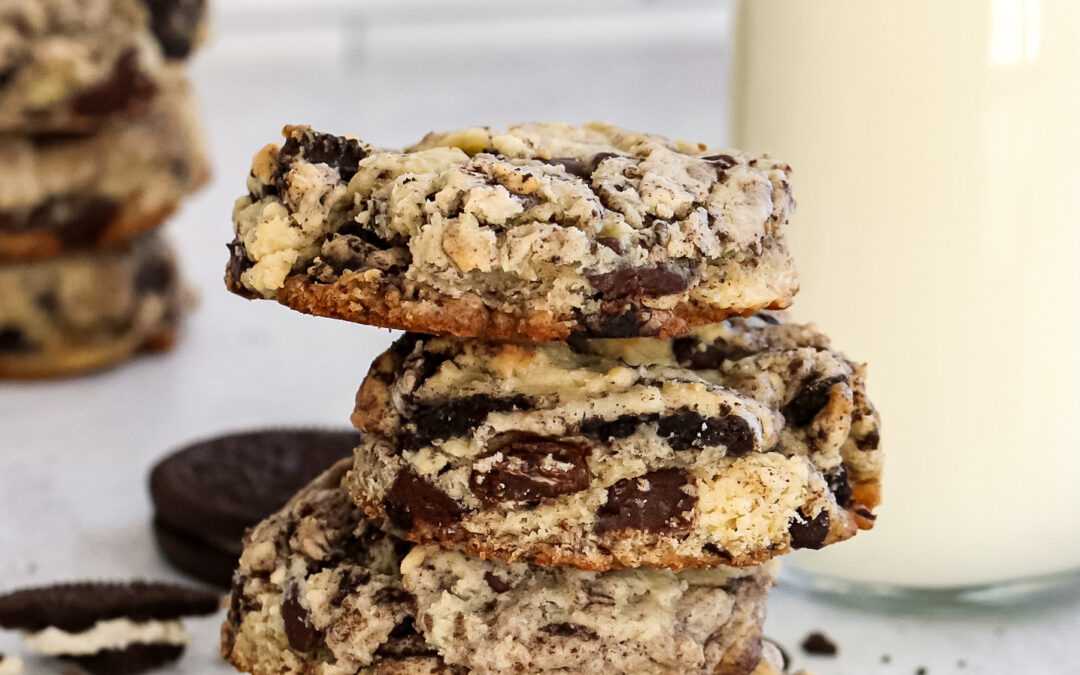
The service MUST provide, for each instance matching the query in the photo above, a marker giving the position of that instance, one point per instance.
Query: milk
(936, 149)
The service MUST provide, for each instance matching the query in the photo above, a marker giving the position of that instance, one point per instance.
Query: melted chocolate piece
(837, 480)
(531, 469)
(581, 168)
(654, 502)
(610, 242)
(695, 354)
(630, 282)
(412, 499)
(127, 87)
(154, 276)
(77, 221)
(496, 584)
(457, 417)
(338, 152)
(687, 429)
(870, 441)
(302, 634)
(13, 341)
(810, 532)
(175, 24)
(809, 401)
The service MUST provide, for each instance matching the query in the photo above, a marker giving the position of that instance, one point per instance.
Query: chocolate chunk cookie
(107, 628)
(321, 590)
(206, 495)
(65, 194)
(538, 232)
(69, 66)
(729, 446)
(85, 312)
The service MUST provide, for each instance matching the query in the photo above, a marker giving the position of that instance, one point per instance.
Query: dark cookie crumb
(819, 644)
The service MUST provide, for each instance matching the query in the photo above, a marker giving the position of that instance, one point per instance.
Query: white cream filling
(113, 634)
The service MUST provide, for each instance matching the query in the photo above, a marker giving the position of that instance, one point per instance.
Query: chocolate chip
(496, 584)
(809, 532)
(723, 161)
(819, 644)
(607, 430)
(412, 499)
(695, 354)
(687, 429)
(630, 282)
(338, 152)
(457, 417)
(610, 242)
(13, 341)
(837, 480)
(569, 630)
(175, 23)
(302, 634)
(126, 87)
(809, 401)
(154, 276)
(654, 502)
(870, 441)
(532, 468)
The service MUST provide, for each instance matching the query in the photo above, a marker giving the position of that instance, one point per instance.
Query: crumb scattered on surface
(819, 644)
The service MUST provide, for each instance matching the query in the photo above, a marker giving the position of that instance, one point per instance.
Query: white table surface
(74, 455)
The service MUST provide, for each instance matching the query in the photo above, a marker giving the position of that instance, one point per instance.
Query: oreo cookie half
(207, 494)
(106, 627)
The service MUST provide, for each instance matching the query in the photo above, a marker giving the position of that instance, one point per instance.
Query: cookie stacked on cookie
(100, 141)
(591, 444)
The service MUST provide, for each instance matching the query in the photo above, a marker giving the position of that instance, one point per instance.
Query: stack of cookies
(100, 142)
(592, 442)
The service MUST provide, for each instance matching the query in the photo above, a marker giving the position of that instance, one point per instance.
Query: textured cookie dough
(87, 312)
(728, 446)
(321, 591)
(67, 66)
(537, 232)
(80, 192)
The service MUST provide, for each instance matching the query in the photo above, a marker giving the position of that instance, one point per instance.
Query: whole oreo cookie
(207, 494)
(114, 628)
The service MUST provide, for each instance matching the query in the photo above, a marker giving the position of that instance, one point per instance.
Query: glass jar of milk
(936, 155)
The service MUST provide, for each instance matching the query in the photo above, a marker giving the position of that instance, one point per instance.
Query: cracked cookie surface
(726, 447)
(321, 591)
(537, 232)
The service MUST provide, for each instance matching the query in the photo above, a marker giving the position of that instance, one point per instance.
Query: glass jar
(936, 155)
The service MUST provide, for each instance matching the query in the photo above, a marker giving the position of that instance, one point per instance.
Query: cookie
(727, 447)
(69, 66)
(321, 590)
(207, 494)
(109, 628)
(9, 665)
(66, 194)
(86, 312)
(539, 232)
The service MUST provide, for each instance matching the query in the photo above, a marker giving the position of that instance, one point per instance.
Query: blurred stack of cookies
(100, 141)
(594, 440)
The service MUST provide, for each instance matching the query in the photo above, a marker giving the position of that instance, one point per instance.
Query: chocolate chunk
(78, 221)
(695, 354)
(532, 468)
(302, 634)
(809, 401)
(837, 480)
(819, 644)
(724, 162)
(126, 87)
(870, 441)
(630, 282)
(237, 265)
(607, 430)
(569, 630)
(457, 417)
(155, 275)
(412, 499)
(338, 152)
(809, 532)
(582, 168)
(687, 429)
(175, 23)
(13, 341)
(496, 584)
(610, 242)
(654, 502)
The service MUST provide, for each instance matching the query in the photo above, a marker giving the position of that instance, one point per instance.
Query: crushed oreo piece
(686, 429)
(809, 401)
(450, 419)
(809, 532)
